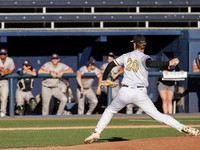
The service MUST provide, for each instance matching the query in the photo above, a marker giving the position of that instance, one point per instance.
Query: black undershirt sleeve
(108, 69)
(156, 64)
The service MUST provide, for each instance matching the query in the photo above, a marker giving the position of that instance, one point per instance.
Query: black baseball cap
(138, 38)
(55, 56)
(3, 51)
(91, 63)
(198, 53)
(111, 54)
(27, 63)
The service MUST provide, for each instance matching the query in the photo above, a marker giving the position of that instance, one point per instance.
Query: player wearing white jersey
(133, 90)
(50, 85)
(7, 67)
(85, 89)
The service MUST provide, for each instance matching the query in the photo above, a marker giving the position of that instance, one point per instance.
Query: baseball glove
(109, 83)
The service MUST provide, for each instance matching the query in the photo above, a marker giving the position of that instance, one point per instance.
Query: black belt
(86, 88)
(49, 87)
(136, 86)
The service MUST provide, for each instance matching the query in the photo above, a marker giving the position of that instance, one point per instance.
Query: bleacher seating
(99, 14)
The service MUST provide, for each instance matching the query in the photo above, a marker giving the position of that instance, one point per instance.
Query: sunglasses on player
(26, 65)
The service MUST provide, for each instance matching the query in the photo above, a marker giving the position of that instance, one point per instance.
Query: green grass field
(66, 137)
(89, 122)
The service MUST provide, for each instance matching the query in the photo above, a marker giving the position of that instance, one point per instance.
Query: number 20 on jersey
(132, 65)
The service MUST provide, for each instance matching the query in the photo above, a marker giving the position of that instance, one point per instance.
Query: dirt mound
(166, 143)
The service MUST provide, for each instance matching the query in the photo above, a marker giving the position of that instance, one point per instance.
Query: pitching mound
(166, 143)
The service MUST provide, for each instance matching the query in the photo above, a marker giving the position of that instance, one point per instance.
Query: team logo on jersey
(80, 71)
(67, 67)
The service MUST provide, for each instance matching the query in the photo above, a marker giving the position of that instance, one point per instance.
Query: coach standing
(7, 67)
(50, 85)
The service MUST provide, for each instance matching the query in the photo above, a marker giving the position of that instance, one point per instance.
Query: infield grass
(48, 138)
(67, 137)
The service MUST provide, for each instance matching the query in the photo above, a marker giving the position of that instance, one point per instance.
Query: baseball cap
(138, 38)
(111, 54)
(198, 53)
(27, 63)
(55, 56)
(91, 63)
(3, 51)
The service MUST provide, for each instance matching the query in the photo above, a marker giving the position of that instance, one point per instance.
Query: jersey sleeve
(20, 71)
(12, 65)
(80, 71)
(35, 71)
(143, 60)
(120, 60)
(45, 67)
(102, 67)
(120, 67)
(65, 67)
(97, 71)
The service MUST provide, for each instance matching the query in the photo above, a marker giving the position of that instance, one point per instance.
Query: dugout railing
(73, 75)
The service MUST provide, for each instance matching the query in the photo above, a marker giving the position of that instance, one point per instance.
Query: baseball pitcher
(133, 90)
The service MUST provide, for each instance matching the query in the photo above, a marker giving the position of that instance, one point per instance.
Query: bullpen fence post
(109, 92)
(11, 85)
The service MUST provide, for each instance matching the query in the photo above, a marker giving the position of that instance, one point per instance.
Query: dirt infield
(166, 143)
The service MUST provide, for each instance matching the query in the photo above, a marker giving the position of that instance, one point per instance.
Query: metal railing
(97, 3)
(13, 76)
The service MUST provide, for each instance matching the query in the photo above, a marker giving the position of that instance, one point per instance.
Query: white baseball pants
(22, 96)
(139, 97)
(81, 101)
(47, 93)
(4, 89)
(115, 90)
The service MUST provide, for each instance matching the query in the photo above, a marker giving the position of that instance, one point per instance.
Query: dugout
(75, 48)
